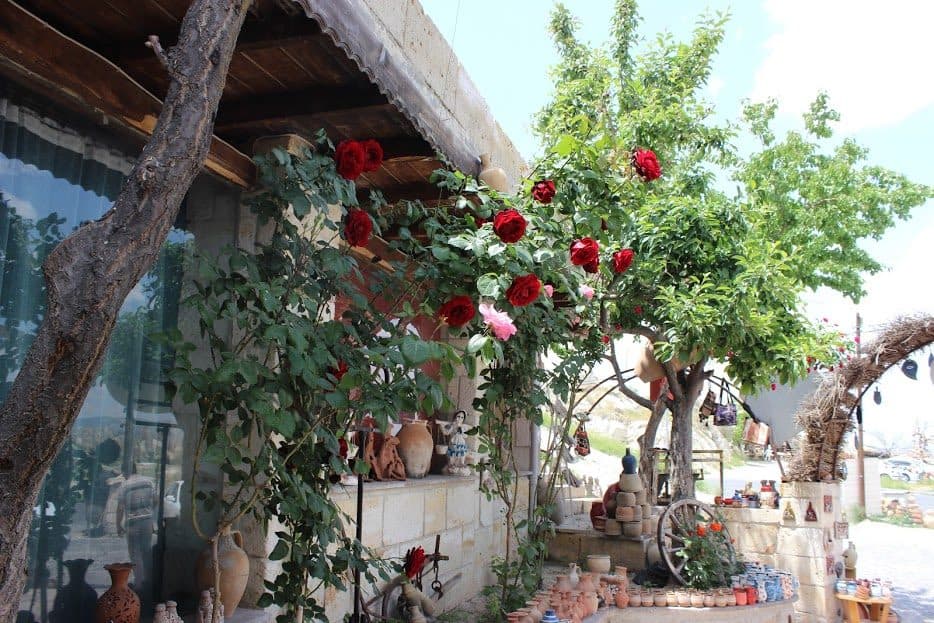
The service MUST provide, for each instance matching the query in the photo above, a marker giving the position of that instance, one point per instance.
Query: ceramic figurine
(171, 612)
(573, 575)
(810, 514)
(456, 432)
(159, 615)
(849, 559)
(789, 514)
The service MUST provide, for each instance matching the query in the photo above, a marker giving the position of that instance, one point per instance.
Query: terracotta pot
(648, 600)
(684, 599)
(622, 599)
(621, 571)
(415, 448)
(709, 600)
(632, 528)
(630, 483)
(739, 595)
(592, 602)
(119, 604)
(660, 598)
(635, 599)
(697, 600)
(636, 513)
(625, 513)
(75, 601)
(672, 598)
(563, 584)
(612, 527)
(534, 611)
(751, 595)
(494, 177)
(625, 498)
(720, 599)
(598, 563)
(641, 496)
(234, 566)
(586, 583)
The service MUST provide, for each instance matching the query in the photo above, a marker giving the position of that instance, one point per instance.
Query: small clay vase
(709, 600)
(660, 598)
(697, 600)
(635, 599)
(119, 604)
(622, 599)
(563, 584)
(494, 177)
(740, 596)
(684, 599)
(586, 584)
(234, 565)
(415, 448)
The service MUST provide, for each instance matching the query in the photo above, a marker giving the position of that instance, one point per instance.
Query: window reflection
(117, 483)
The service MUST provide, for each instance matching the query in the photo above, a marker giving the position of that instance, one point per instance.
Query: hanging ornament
(810, 514)
(877, 396)
(789, 514)
(910, 368)
(581, 440)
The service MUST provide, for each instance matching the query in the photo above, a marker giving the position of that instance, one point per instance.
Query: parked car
(173, 502)
(900, 469)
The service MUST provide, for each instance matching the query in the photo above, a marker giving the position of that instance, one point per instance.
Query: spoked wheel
(677, 523)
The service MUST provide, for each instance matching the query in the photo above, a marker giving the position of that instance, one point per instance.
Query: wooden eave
(299, 66)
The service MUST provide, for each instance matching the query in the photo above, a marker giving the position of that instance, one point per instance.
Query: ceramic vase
(598, 563)
(120, 603)
(629, 463)
(234, 565)
(697, 600)
(622, 599)
(573, 576)
(494, 177)
(74, 602)
(415, 448)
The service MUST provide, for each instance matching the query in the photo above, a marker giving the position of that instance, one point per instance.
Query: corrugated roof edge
(413, 69)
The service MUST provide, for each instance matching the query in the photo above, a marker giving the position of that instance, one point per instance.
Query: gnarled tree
(92, 271)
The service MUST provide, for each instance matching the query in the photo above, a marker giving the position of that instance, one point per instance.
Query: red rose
(543, 191)
(509, 225)
(638, 310)
(524, 290)
(592, 267)
(606, 339)
(372, 155)
(343, 448)
(357, 227)
(645, 163)
(458, 311)
(479, 221)
(414, 561)
(340, 370)
(621, 260)
(701, 530)
(350, 158)
(585, 251)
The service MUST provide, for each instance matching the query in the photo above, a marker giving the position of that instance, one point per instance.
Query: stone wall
(850, 487)
(755, 531)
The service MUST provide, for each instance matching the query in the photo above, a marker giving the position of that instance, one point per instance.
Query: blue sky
(873, 60)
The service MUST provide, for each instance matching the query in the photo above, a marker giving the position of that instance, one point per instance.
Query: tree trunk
(90, 273)
(647, 442)
(681, 478)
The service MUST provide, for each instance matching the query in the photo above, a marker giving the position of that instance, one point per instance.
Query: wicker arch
(827, 414)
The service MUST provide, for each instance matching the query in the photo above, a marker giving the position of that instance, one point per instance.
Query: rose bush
(350, 158)
(645, 163)
(585, 252)
(622, 259)
(543, 191)
(373, 155)
(457, 311)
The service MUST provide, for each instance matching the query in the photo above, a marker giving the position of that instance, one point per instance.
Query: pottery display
(119, 604)
(629, 463)
(625, 513)
(74, 602)
(415, 448)
(622, 599)
(612, 527)
(598, 563)
(234, 565)
(661, 598)
(632, 528)
(625, 498)
(630, 483)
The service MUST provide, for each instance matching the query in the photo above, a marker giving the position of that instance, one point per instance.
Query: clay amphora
(234, 567)
(586, 583)
(563, 584)
(119, 604)
(415, 448)
(622, 598)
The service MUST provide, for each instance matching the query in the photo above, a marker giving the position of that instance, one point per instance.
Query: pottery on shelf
(630, 483)
(612, 527)
(74, 602)
(119, 604)
(415, 448)
(625, 498)
(234, 566)
(632, 528)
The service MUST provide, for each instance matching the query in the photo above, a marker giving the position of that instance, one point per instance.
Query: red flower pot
(751, 595)
(740, 594)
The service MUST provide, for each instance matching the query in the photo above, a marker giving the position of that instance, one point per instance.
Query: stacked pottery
(631, 499)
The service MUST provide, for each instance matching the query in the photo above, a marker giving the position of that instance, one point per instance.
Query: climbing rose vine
(509, 225)
(357, 228)
(543, 191)
(645, 163)
(524, 290)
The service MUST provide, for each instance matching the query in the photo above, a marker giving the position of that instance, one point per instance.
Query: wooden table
(878, 608)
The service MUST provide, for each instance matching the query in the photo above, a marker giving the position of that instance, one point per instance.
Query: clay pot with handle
(234, 566)
(415, 448)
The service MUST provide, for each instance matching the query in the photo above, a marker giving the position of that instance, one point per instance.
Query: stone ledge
(430, 481)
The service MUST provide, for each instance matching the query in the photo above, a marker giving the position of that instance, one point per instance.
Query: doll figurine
(456, 432)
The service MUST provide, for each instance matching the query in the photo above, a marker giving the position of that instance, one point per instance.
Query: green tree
(715, 275)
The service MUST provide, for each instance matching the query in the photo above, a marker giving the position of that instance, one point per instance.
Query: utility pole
(860, 454)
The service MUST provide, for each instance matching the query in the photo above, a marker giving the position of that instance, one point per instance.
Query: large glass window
(115, 490)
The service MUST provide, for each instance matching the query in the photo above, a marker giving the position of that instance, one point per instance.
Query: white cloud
(714, 86)
(872, 58)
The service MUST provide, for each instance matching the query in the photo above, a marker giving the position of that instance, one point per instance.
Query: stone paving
(903, 555)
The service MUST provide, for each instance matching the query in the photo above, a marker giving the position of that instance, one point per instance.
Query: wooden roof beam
(59, 65)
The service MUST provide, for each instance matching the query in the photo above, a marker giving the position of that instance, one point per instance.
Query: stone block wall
(400, 515)
(755, 531)
(850, 487)
(805, 547)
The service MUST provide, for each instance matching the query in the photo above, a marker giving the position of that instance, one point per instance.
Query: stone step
(575, 539)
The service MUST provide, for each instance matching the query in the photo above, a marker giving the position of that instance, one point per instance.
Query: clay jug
(119, 604)
(573, 576)
(629, 463)
(586, 583)
(563, 584)
(494, 177)
(534, 610)
(234, 567)
(74, 602)
(622, 599)
(592, 602)
(415, 448)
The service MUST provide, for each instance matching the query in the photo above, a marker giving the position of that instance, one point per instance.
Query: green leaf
(416, 352)
(488, 285)
(477, 342)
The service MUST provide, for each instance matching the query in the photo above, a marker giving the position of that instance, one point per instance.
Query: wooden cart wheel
(676, 522)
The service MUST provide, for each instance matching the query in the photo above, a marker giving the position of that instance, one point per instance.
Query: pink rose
(499, 322)
(587, 292)
(549, 290)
